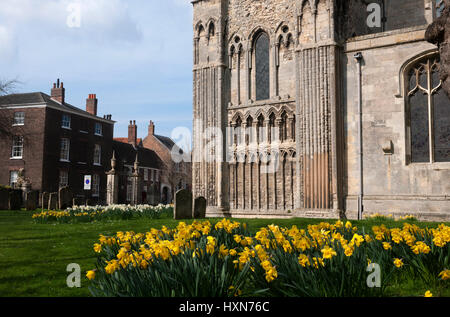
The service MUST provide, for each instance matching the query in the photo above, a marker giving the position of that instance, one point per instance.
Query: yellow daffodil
(90, 274)
(445, 275)
(328, 252)
(398, 262)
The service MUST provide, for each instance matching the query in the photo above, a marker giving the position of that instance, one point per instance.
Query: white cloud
(8, 48)
(101, 20)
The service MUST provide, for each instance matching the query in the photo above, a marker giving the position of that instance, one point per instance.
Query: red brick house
(56, 144)
(152, 169)
(179, 175)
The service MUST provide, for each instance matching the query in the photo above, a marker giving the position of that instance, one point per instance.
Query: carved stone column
(112, 189)
(135, 181)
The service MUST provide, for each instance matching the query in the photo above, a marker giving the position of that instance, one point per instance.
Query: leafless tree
(6, 87)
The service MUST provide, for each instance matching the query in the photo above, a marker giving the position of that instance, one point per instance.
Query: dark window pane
(420, 149)
(412, 80)
(435, 78)
(262, 53)
(423, 79)
(441, 127)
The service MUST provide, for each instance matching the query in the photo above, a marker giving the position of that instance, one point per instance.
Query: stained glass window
(429, 111)
(262, 55)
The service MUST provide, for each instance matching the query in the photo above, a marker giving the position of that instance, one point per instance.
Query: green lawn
(34, 257)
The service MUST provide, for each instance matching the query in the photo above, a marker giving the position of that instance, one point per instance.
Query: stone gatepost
(136, 184)
(112, 181)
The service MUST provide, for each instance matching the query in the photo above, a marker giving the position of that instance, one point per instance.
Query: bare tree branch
(8, 86)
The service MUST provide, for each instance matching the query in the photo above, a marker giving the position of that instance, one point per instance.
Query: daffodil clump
(96, 213)
(327, 259)
(390, 217)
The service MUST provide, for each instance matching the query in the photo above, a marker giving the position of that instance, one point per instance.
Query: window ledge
(16, 158)
(18, 124)
(97, 164)
(96, 134)
(67, 128)
(431, 166)
(82, 163)
(65, 161)
(85, 132)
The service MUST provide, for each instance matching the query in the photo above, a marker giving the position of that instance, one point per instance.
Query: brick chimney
(132, 133)
(151, 128)
(58, 92)
(91, 104)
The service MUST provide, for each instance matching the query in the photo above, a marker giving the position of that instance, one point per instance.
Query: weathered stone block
(15, 199)
(65, 197)
(183, 204)
(199, 208)
(4, 198)
(32, 200)
(44, 200)
(53, 201)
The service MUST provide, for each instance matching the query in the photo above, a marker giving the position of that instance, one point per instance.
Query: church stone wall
(391, 184)
(313, 104)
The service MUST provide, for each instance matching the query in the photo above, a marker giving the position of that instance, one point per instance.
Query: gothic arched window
(429, 112)
(262, 63)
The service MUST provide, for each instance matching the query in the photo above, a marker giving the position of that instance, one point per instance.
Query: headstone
(183, 204)
(32, 200)
(64, 198)
(199, 208)
(77, 201)
(53, 201)
(15, 199)
(44, 200)
(4, 198)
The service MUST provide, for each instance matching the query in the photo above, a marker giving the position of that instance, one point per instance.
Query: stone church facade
(322, 114)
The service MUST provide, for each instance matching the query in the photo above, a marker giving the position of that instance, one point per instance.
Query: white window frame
(95, 185)
(19, 118)
(66, 124)
(63, 178)
(99, 131)
(97, 154)
(13, 179)
(64, 155)
(17, 147)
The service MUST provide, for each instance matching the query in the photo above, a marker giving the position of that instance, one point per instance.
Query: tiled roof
(125, 140)
(166, 141)
(126, 153)
(41, 98)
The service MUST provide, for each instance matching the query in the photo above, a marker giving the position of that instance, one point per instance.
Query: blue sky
(136, 55)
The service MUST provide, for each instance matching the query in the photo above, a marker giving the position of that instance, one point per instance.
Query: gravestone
(77, 201)
(53, 201)
(65, 198)
(199, 208)
(4, 198)
(15, 199)
(183, 204)
(32, 200)
(44, 200)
